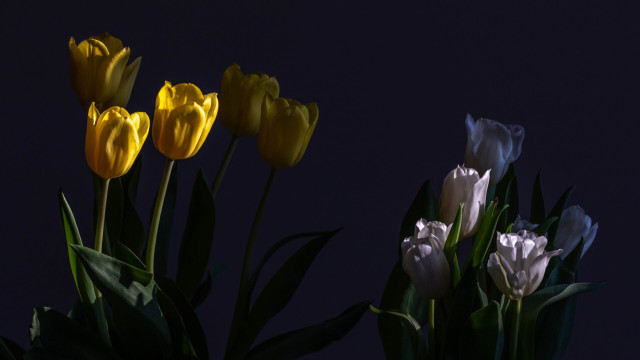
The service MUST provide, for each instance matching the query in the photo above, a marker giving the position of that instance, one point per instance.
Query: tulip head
(114, 139)
(182, 119)
(518, 265)
(492, 145)
(424, 261)
(573, 225)
(464, 186)
(285, 130)
(99, 71)
(521, 224)
(241, 99)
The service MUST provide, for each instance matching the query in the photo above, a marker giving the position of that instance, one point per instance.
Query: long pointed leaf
(131, 294)
(9, 350)
(537, 214)
(296, 343)
(485, 334)
(556, 211)
(412, 327)
(197, 238)
(280, 289)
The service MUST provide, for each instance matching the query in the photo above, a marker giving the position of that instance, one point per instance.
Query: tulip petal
(537, 269)
(91, 138)
(123, 93)
(108, 75)
(119, 146)
(181, 132)
(210, 108)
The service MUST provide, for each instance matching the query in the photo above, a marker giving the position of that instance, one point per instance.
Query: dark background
(393, 82)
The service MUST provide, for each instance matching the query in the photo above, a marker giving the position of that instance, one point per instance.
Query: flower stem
(242, 301)
(432, 327)
(102, 210)
(157, 211)
(223, 167)
(515, 327)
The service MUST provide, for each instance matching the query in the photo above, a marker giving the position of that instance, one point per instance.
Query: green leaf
(451, 245)
(122, 252)
(543, 228)
(484, 237)
(189, 318)
(9, 350)
(202, 292)
(197, 238)
(182, 346)
(413, 329)
(131, 293)
(555, 322)
(280, 289)
(166, 223)
(61, 336)
(557, 212)
(507, 193)
(537, 201)
(133, 232)
(422, 207)
(296, 343)
(84, 285)
(114, 214)
(400, 294)
(484, 338)
(531, 306)
(277, 246)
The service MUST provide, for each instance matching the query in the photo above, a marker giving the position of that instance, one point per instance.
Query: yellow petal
(113, 44)
(123, 93)
(210, 108)
(90, 144)
(312, 111)
(284, 128)
(118, 145)
(140, 122)
(108, 75)
(181, 132)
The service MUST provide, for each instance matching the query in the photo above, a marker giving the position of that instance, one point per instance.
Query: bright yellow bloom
(114, 139)
(99, 71)
(182, 119)
(285, 131)
(241, 99)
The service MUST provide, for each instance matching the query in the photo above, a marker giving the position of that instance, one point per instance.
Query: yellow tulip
(241, 99)
(182, 119)
(285, 131)
(99, 71)
(114, 139)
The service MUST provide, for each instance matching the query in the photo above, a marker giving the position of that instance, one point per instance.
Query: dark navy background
(393, 82)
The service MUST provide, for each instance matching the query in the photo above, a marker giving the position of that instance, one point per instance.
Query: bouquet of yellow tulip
(515, 295)
(128, 307)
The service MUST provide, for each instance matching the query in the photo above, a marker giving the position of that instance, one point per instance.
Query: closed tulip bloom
(492, 145)
(464, 186)
(518, 265)
(424, 261)
(285, 130)
(241, 99)
(114, 139)
(99, 71)
(182, 119)
(573, 225)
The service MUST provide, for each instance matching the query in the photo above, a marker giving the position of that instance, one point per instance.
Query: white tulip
(518, 265)
(424, 261)
(464, 186)
(573, 225)
(492, 145)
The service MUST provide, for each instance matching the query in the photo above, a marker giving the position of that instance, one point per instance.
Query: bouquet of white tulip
(513, 298)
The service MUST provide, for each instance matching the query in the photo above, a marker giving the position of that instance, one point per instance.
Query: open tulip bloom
(487, 303)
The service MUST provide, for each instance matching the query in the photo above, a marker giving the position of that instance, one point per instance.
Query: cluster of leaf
(471, 322)
(152, 316)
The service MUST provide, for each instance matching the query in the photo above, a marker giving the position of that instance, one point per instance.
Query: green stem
(242, 301)
(515, 327)
(432, 327)
(155, 220)
(223, 167)
(102, 210)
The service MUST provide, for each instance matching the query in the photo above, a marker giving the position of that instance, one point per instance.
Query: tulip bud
(99, 71)
(492, 145)
(285, 130)
(114, 139)
(241, 99)
(518, 265)
(464, 186)
(182, 119)
(573, 225)
(424, 261)
(520, 224)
